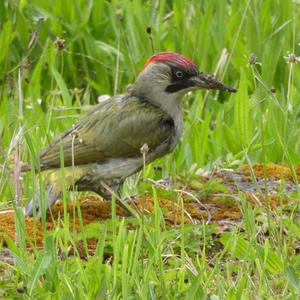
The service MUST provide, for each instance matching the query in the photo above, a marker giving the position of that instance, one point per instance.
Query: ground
(213, 198)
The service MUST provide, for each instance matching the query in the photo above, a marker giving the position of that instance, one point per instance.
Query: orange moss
(276, 171)
(215, 207)
(93, 210)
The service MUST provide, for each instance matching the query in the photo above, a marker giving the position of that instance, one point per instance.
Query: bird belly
(120, 168)
(113, 172)
(116, 168)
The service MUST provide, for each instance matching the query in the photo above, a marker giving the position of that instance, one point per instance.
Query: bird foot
(131, 199)
(121, 204)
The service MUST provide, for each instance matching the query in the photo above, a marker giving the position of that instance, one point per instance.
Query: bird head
(176, 74)
(167, 76)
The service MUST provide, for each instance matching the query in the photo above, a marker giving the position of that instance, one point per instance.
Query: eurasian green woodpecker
(104, 146)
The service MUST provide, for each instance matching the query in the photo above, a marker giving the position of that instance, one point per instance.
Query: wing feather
(115, 128)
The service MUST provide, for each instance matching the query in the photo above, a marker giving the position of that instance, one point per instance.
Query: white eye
(179, 74)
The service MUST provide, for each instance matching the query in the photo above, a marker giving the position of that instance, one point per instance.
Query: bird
(104, 147)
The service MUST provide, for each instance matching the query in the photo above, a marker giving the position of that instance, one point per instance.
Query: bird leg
(117, 196)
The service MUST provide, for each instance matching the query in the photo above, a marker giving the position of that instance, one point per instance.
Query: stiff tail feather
(54, 187)
(51, 194)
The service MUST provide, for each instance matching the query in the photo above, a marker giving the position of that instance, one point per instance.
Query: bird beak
(208, 81)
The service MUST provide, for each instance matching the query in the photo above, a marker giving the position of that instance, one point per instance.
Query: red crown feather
(171, 57)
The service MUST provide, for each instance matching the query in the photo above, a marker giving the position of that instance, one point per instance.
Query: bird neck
(167, 102)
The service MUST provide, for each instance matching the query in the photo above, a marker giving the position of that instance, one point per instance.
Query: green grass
(254, 125)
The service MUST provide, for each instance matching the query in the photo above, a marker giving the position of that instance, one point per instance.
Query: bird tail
(52, 194)
(53, 190)
(54, 183)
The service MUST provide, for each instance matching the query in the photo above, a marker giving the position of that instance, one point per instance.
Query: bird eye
(179, 74)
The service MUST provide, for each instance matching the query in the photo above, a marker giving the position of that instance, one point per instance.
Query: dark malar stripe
(180, 85)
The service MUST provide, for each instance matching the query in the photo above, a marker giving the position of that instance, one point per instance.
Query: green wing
(116, 128)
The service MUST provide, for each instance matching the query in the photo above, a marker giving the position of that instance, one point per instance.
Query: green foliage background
(201, 30)
(55, 78)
